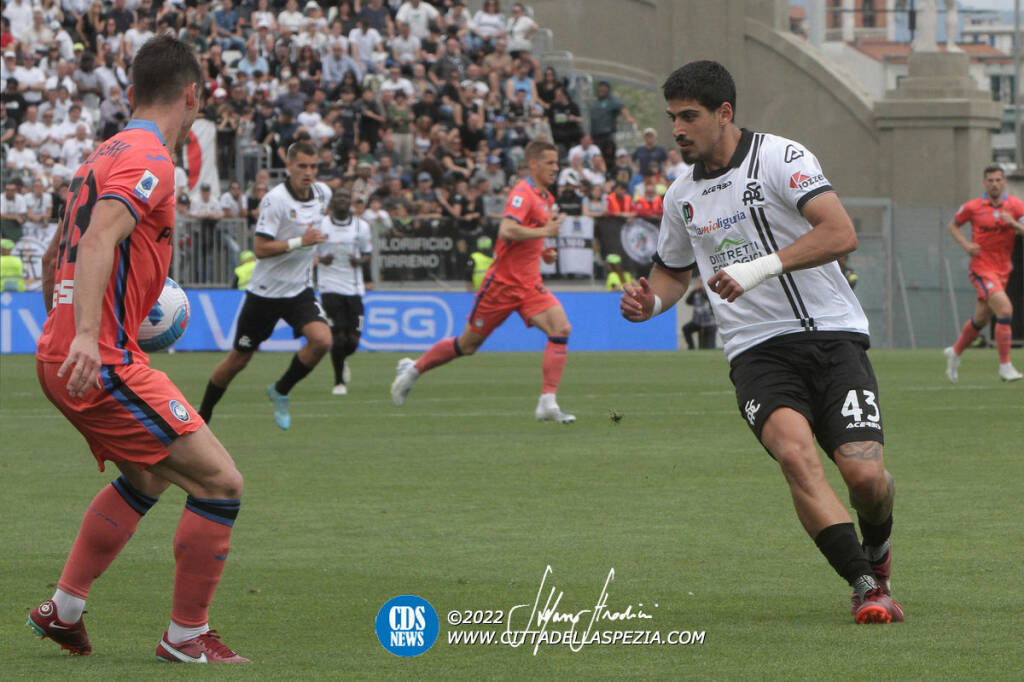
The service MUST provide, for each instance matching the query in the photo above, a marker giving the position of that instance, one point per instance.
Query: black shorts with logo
(259, 316)
(827, 378)
(344, 313)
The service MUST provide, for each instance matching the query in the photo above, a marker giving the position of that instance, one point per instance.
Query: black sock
(341, 349)
(875, 536)
(296, 372)
(211, 397)
(841, 547)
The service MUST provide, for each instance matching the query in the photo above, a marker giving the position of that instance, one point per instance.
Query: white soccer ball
(167, 321)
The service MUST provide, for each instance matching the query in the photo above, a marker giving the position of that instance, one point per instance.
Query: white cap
(650, 131)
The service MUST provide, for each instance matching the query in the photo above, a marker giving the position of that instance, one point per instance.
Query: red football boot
(878, 607)
(206, 648)
(70, 636)
(882, 571)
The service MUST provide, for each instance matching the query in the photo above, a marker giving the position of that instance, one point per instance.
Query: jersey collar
(742, 147)
(533, 185)
(288, 186)
(988, 200)
(143, 124)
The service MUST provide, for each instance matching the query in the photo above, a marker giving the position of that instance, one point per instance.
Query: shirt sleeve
(963, 214)
(518, 206)
(142, 187)
(793, 173)
(675, 252)
(269, 218)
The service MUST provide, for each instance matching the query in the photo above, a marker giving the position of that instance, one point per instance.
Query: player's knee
(352, 341)
(230, 485)
(800, 464)
(867, 483)
(319, 344)
(562, 330)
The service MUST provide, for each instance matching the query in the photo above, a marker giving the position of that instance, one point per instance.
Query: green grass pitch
(462, 499)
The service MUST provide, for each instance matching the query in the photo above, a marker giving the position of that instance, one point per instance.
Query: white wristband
(294, 243)
(657, 306)
(749, 275)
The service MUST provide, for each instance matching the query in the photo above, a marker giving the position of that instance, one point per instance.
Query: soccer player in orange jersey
(513, 284)
(102, 274)
(995, 221)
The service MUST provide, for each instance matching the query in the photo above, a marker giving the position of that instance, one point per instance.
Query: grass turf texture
(461, 498)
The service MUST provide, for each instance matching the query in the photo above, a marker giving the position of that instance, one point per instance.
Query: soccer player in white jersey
(287, 229)
(347, 247)
(759, 220)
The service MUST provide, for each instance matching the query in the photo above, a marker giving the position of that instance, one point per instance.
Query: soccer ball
(167, 321)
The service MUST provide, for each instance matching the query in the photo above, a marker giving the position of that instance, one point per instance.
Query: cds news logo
(407, 625)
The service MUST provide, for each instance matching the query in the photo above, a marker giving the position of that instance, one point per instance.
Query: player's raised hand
(637, 302)
(725, 286)
(83, 362)
(313, 236)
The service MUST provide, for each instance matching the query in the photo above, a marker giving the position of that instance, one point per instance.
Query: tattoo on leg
(866, 450)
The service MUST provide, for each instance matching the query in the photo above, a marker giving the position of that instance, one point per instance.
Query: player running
(103, 272)
(757, 210)
(994, 220)
(281, 284)
(347, 247)
(513, 284)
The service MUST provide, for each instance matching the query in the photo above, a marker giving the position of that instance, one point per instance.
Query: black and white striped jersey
(747, 210)
(283, 215)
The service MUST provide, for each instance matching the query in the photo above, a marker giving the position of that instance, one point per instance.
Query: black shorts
(344, 313)
(827, 379)
(259, 316)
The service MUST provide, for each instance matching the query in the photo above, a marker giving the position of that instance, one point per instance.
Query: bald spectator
(252, 61)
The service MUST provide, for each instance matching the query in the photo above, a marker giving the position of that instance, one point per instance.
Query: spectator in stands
(617, 276)
(291, 18)
(623, 170)
(586, 147)
(649, 205)
(364, 42)
(336, 66)
(565, 119)
(227, 28)
(649, 151)
(520, 29)
(262, 17)
(114, 113)
(404, 48)
(31, 78)
(231, 202)
(252, 61)
(619, 203)
(674, 166)
(419, 15)
(76, 148)
(378, 17)
(21, 159)
(13, 210)
(594, 202)
(604, 120)
(596, 174)
(487, 25)
(452, 62)
(456, 22)
(569, 199)
(205, 209)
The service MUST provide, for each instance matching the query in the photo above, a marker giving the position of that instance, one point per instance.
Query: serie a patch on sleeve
(145, 186)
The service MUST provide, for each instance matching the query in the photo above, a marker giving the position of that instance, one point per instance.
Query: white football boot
(1007, 372)
(953, 364)
(549, 411)
(406, 375)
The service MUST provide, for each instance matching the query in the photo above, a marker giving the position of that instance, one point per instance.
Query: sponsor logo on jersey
(714, 188)
(753, 194)
(145, 186)
(801, 180)
(721, 223)
(792, 153)
(179, 411)
(517, 201)
(734, 250)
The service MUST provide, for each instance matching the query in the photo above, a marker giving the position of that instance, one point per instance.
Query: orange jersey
(990, 231)
(518, 263)
(133, 167)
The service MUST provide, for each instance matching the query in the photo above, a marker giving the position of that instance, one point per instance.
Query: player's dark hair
(301, 147)
(706, 81)
(994, 168)
(162, 68)
(536, 149)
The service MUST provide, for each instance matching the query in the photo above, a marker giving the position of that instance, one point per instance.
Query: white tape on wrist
(294, 243)
(749, 275)
(657, 306)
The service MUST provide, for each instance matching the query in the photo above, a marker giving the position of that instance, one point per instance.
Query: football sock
(840, 546)
(441, 352)
(112, 517)
(69, 607)
(341, 349)
(201, 546)
(211, 397)
(556, 352)
(176, 634)
(1003, 336)
(874, 535)
(296, 373)
(969, 332)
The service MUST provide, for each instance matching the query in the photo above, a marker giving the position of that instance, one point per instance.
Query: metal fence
(206, 251)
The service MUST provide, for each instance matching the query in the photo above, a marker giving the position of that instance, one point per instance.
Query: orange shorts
(133, 418)
(496, 301)
(988, 282)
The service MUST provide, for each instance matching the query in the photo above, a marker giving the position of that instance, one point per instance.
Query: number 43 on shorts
(853, 410)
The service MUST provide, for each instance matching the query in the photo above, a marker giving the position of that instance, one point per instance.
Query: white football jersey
(283, 215)
(747, 210)
(345, 238)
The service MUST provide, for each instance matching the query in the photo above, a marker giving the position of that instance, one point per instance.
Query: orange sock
(108, 524)
(556, 352)
(441, 352)
(201, 546)
(967, 336)
(1003, 338)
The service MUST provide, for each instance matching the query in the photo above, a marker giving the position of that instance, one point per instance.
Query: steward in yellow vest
(243, 273)
(12, 270)
(617, 277)
(479, 262)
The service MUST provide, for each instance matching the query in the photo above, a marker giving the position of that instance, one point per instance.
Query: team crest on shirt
(145, 186)
(517, 201)
(292, 215)
(179, 411)
(687, 212)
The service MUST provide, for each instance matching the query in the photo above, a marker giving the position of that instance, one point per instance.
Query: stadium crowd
(421, 109)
